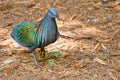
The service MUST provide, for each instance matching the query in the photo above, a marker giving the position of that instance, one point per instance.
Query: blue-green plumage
(24, 33)
(37, 34)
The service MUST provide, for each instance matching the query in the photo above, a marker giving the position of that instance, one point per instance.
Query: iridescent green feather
(26, 33)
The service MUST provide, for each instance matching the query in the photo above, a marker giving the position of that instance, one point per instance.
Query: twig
(96, 47)
(76, 37)
(73, 16)
(108, 52)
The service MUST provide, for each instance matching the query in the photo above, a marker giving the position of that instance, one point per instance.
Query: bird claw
(38, 66)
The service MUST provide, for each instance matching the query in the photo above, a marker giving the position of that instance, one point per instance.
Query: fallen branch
(95, 54)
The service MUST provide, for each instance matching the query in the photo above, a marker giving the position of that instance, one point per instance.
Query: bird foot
(38, 66)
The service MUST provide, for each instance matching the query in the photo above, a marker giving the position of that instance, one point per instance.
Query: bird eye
(51, 13)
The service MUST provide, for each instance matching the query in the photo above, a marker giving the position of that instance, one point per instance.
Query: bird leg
(42, 52)
(36, 60)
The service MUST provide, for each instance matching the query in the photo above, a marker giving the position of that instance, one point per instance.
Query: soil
(89, 43)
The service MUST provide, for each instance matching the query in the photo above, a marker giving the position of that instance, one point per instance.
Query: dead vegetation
(89, 42)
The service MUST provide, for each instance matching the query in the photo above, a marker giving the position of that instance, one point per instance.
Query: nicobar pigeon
(37, 34)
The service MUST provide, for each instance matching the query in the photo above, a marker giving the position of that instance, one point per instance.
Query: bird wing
(25, 33)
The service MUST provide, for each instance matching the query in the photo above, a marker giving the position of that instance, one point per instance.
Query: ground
(89, 43)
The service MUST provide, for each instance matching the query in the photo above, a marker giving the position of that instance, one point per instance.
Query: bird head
(52, 12)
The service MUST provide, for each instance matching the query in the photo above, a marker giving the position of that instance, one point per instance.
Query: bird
(37, 34)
